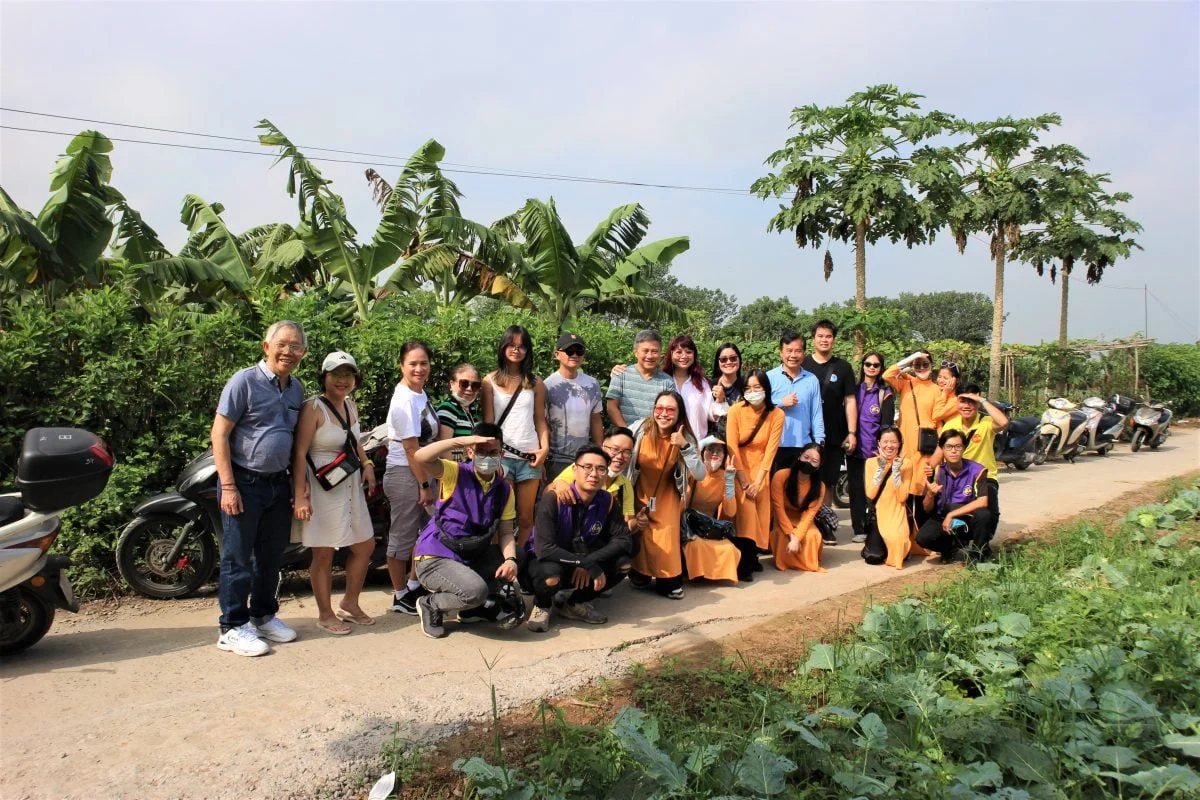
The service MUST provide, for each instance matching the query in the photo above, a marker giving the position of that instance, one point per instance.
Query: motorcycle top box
(62, 467)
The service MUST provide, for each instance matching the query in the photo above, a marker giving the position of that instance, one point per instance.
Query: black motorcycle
(1017, 445)
(170, 549)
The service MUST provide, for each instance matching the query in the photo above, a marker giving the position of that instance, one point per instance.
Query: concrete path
(137, 702)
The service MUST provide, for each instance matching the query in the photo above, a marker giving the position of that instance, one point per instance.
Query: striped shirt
(460, 421)
(635, 394)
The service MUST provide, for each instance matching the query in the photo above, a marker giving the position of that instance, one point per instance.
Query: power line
(455, 167)
(1183, 325)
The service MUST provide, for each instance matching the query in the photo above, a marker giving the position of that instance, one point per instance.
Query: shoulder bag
(345, 463)
(512, 451)
(875, 548)
(927, 438)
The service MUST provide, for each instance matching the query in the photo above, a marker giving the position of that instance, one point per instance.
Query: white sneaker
(243, 641)
(273, 628)
(539, 620)
(859, 538)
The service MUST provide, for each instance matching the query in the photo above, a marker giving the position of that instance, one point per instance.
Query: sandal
(336, 630)
(360, 619)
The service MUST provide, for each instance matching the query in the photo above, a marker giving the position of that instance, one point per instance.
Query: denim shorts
(518, 470)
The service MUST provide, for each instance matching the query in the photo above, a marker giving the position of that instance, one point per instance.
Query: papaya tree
(846, 170)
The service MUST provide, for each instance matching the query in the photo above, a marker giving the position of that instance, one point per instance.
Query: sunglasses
(921, 365)
(664, 410)
(465, 385)
(574, 351)
(872, 364)
(949, 365)
(728, 359)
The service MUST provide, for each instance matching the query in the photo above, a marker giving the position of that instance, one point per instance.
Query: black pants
(748, 562)
(832, 456)
(856, 483)
(932, 537)
(662, 586)
(993, 506)
(540, 572)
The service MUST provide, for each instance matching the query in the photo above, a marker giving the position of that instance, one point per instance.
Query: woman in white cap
(336, 516)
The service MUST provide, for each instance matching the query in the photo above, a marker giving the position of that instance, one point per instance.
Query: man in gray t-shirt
(631, 392)
(572, 406)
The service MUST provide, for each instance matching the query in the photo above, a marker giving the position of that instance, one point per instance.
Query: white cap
(338, 359)
(710, 440)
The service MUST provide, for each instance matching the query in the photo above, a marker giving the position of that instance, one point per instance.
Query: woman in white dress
(337, 517)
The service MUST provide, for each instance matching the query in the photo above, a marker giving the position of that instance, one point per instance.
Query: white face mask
(612, 473)
(462, 401)
(755, 398)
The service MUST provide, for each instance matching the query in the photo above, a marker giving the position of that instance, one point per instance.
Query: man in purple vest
(956, 498)
(468, 543)
(581, 547)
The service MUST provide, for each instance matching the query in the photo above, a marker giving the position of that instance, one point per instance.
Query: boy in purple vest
(581, 546)
(956, 493)
(468, 542)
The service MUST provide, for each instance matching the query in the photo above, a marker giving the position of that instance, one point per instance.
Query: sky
(675, 93)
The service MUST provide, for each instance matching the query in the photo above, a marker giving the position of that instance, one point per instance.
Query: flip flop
(346, 616)
(336, 631)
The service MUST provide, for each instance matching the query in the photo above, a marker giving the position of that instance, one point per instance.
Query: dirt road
(137, 702)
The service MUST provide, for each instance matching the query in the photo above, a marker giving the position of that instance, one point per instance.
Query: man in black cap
(573, 405)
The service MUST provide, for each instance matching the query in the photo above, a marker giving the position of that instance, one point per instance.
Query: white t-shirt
(409, 415)
(697, 404)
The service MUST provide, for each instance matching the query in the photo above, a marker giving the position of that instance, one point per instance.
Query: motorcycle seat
(11, 510)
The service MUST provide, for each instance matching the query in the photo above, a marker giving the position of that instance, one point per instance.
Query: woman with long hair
(411, 425)
(727, 384)
(457, 413)
(665, 453)
(796, 497)
(887, 476)
(515, 399)
(922, 403)
(683, 364)
(335, 517)
(753, 432)
(876, 410)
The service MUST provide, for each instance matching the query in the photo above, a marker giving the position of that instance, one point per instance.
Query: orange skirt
(714, 559)
(809, 557)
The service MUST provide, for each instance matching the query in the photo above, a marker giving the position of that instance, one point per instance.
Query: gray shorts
(403, 493)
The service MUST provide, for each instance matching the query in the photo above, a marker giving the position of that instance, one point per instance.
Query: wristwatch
(424, 484)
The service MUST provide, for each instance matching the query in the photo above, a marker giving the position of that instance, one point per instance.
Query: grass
(1068, 669)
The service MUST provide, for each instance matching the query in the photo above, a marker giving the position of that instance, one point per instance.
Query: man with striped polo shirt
(631, 392)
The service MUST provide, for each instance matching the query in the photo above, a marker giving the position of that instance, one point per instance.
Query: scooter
(1151, 425)
(1062, 426)
(170, 548)
(1017, 445)
(1103, 426)
(58, 468)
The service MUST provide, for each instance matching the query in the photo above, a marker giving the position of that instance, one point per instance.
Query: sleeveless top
(519, 431)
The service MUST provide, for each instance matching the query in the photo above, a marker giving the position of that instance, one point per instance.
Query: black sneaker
(406, 602)
(431, 619)
(469, 616)
(829, 540)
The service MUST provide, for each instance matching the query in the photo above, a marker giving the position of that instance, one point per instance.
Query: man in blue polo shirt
(252, 449)
(797, 392)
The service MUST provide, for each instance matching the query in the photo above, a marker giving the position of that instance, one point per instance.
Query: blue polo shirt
(802, 423)
(264, 416)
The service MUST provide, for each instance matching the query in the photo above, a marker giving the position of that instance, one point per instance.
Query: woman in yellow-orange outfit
(886, 478)
(796, 496)
(752, 435)
(922, 403)
(715, 559)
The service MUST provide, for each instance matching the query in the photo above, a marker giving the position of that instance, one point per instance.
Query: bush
(1172, 373)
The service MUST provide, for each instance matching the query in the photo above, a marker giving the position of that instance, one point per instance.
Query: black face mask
(805, 467)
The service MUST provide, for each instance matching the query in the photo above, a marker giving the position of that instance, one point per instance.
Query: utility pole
(1146, 310)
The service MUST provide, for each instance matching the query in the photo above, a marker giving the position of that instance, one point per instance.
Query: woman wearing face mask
(887, 477)
(457, 414)
(796, 496)
(753, 433)
(876, 410)
(684, 366)
(665, 452)
(728, 385)
(714, 496)
(922, 404)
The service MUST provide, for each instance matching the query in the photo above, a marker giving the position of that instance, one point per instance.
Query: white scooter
(58, 468)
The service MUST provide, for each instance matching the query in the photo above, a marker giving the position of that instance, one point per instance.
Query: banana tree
(605, 274)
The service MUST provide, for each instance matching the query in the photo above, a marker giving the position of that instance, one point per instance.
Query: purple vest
(468, 512)
(957, 491)
(870, 418)
(590, 520)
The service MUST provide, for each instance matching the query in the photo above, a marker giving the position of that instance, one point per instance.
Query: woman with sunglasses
(665, 453)
(796, 496)
(876, 410)
(922, 404)
(683, 360)
(515, 399)
(457, 414)
(727, 385)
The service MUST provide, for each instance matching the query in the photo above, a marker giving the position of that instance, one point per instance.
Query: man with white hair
(252, 449)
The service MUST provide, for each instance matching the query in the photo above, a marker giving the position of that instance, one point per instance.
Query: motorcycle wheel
(143, 549)
(1158, 440)
(1139, 436)
(841, 491)
(34, 618)
(1021, 466)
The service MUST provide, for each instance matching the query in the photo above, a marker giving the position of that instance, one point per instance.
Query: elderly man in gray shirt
(252, 448)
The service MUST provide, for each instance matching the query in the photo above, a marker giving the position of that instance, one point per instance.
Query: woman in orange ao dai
(796, 496)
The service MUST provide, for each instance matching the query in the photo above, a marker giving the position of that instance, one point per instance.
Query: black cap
(568, 340)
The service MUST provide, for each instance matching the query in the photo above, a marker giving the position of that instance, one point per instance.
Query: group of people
(511, 486)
